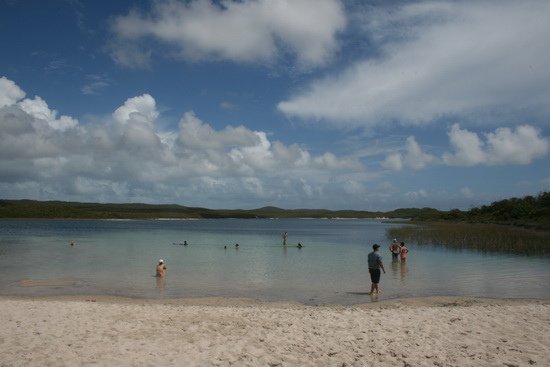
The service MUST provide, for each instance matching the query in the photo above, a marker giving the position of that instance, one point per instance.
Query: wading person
(161, 269)
(375, 265)
(404, 252)
(395, 249)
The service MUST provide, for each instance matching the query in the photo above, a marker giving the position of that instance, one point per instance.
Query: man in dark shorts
(375, 264)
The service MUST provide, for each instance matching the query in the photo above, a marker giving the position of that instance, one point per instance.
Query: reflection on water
(161, 282)
(118, 258)
(399, 270)
(403, 270)
(394, 266)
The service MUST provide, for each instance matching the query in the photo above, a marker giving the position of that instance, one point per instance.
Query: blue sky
(371, 105)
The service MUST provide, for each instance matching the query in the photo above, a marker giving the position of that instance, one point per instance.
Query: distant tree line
(520, 226)
(529, 211)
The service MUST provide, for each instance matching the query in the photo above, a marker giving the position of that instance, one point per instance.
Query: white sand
(438, 331)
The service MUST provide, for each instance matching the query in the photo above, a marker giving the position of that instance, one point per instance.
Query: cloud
(38, 108)
(468, 148)
(195, 134)
(413, 157)
(240, 31)
(521, 145)
(504, 146)
(9, 92)
(96, 83)
(433, 60)
(243, 152)
(393, 161)
(142, 109)
(127, 157)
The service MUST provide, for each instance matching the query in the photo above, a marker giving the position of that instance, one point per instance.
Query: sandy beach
(434, 331)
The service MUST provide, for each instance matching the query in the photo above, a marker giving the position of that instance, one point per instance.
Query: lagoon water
(118, 258)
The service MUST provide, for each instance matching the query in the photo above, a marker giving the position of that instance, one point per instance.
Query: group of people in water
(161, 267)
(398, 250)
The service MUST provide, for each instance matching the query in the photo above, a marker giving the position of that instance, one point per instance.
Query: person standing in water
(395, 248)
(404, 252)
(375, 264)
(285, 238)
(161, 269)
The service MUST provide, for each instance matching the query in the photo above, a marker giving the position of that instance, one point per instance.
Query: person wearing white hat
(161, 269)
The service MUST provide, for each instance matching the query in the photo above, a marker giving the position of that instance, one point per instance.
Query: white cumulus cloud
(38, 108)
(413, 157)
(9, 92)
(127, 157)
(142, 108)
(521, 145)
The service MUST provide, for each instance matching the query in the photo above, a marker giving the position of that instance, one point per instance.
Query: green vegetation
(514, 225)
(75, 210)
(530, 211)
(482, 237)
(527, 212)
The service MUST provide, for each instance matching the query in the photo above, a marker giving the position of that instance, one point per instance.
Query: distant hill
(529, 211)
(270, 209)
(77, 210)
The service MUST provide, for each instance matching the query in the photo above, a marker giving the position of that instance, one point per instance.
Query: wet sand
(433, 331)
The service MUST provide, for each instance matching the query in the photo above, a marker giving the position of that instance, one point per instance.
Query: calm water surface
(119, 257)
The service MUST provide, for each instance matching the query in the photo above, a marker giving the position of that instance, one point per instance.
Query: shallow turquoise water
(118, 258)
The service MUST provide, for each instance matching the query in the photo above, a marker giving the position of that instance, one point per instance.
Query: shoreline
(228, 301)
(424, 331)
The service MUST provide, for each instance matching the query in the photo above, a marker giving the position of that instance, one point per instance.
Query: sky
(366, 105)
